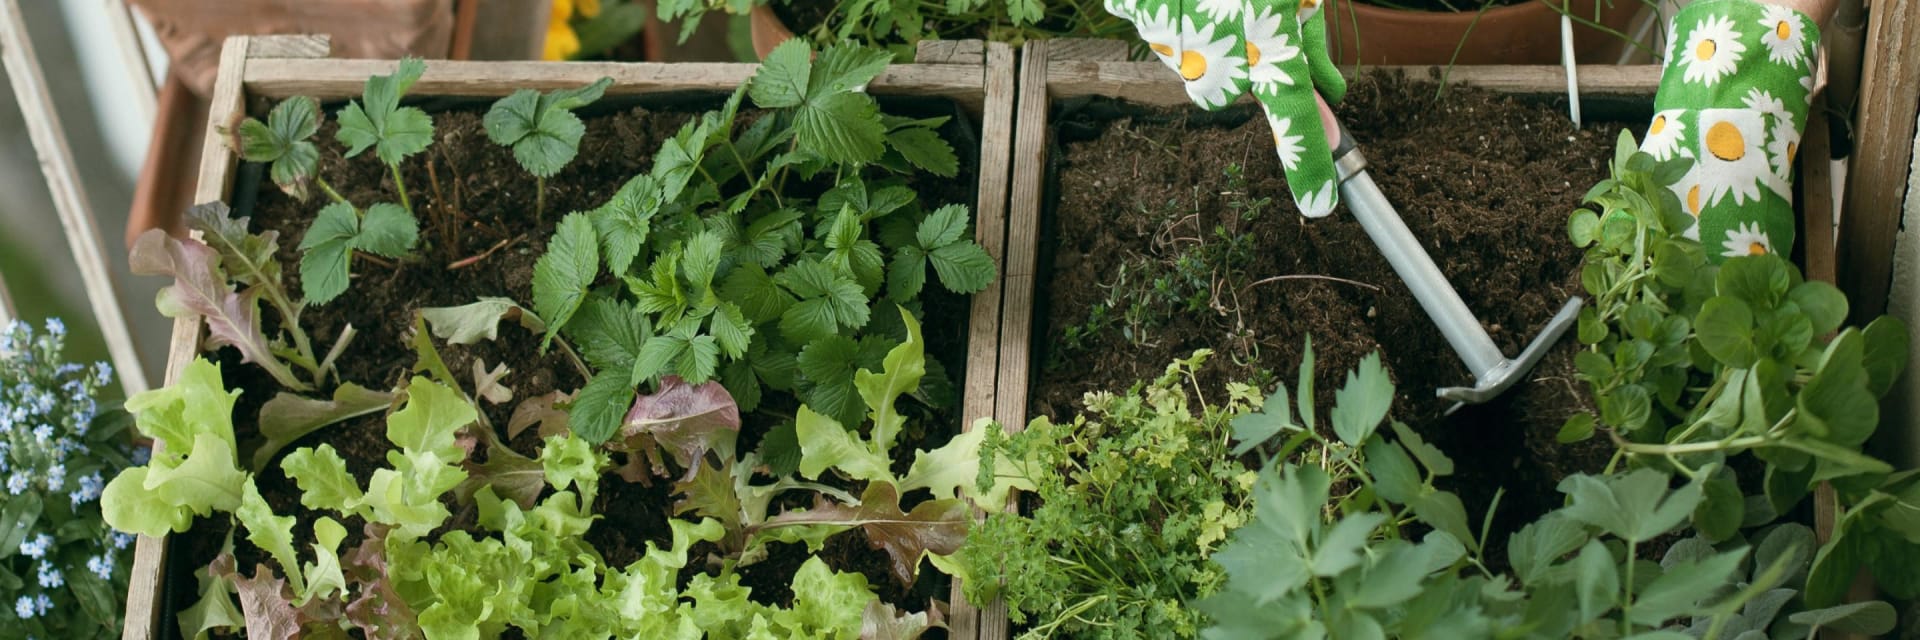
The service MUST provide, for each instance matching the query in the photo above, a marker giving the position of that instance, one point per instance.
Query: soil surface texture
(473, 199)
(1484, 181)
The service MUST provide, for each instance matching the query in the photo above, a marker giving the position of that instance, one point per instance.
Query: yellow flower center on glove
(1723, 140)
(1659, 125)
(1756, 249)
(1704, 51)
(1192, 65)
(1783, 30)
(1253, 54)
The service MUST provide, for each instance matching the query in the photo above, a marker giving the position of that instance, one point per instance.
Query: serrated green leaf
(387, 230)
(847, 67)
(756, 294)
(1635, 506)
(271, 533)
(730, 327)
(782, 80)
(824, 444)
(625, 221)
(828, 302)
(379, 120)
(841, 127)
(1360, 405)
(600, 406)
(563, 273)
(926, 150)
(907, 274)
(963, 267)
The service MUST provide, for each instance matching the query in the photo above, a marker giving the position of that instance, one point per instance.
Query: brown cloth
(192, 30)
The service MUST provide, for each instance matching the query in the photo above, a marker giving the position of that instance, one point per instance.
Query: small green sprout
(327, 250)
(378, 121)
(284, 140)
(542, 130)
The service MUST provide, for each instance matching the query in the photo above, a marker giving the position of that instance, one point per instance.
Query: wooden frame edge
(254, 66)
(1149, 82)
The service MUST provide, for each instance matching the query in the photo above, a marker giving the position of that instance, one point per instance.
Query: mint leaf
(562, 275)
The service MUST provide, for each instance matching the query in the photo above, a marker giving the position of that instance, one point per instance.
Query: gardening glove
(1733, 99)
(1278, 50)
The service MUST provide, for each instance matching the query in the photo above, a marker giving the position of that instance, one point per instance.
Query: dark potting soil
(1443, 6)
(473, 199)
(1484, 181)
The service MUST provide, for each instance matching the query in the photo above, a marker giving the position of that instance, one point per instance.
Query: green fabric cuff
(1734, 98)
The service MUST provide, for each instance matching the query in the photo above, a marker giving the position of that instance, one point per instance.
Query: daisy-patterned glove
(1278, 50)
(1734, 98)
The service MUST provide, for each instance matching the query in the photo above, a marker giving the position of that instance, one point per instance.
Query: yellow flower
(562, 43)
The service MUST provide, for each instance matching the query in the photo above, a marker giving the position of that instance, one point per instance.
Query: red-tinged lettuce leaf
(486, 383)
(201, 288)
(685, 420)
(267, 603)
(937, 526)
(288, 417)
(378, 611)
(882, 622)
(512, 476)
(539, 410)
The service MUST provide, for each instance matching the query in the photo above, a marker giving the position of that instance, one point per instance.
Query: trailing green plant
(1134, 498)
(726, 272)
(542, 130)
(1191, 270)
(1328, 552)
(61, 569)
(1693, 364)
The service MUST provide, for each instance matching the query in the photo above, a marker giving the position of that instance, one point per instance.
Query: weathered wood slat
(1023, 235)
(70, 203)
(1150, 82)
(1816, 195)
(6, 305)
(1877, 177)
(289, 46)
(983, 328)
(329, 78)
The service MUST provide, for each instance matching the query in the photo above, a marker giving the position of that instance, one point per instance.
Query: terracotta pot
(1526, 33)
(767, 29)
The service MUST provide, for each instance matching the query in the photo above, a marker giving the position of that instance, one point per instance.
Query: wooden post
(63, 180)
(1877, 177)
(145, 91)
(6, 305)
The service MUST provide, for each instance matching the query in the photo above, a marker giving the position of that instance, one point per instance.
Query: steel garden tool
(1493, 372)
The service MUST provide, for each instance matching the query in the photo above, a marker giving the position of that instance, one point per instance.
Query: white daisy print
(1806, 82)
(1763, 101)
(1307, 9)
(1317, 204)
(1713, 51)
(1746, 240)
(1730, 160)
(1208, 65)
(1161, 34)
(1287, 145)
(1267, 47)
(1120, 8)
(1782, 147)
(1665, 135)
(1222, 10)
(1785, 37)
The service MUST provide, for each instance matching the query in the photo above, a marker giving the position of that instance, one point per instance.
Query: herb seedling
(326, 257)
(377, 120)
(542, 131)
(284, 140)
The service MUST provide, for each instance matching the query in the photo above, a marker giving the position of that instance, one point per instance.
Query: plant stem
(400, 185)
(1695, 447)
(1626, 602)
(335, 195)
(539, 199)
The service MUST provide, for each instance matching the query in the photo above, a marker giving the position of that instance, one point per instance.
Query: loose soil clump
(1485, 181)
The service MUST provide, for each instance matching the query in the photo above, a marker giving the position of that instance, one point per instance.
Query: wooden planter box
(978, 76)
(1069, 69)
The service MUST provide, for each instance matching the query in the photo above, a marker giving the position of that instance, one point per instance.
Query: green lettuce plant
(61, 569)
(728, 274)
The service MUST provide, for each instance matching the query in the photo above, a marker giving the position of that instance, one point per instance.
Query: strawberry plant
(725, 272)
(542, 131)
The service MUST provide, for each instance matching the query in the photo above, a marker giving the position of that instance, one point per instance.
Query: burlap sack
(192, 30)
